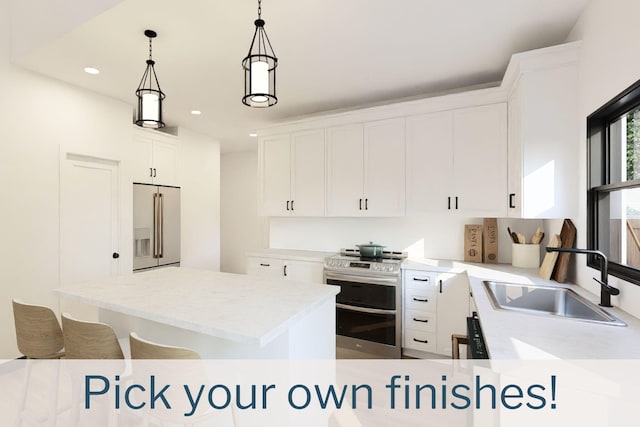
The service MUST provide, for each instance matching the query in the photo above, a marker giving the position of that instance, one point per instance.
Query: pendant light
(150, 97)
(260, 68)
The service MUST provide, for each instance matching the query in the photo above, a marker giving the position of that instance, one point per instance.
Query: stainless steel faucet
(606, 290)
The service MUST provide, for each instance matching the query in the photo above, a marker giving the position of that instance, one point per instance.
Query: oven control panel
(387, 267)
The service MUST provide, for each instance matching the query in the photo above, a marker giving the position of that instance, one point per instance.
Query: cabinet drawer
(419, 300)
(420, 340)
(420, 280)
(265, 267)
(419, 320)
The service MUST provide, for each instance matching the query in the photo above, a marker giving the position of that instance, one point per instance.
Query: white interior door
(89, 223)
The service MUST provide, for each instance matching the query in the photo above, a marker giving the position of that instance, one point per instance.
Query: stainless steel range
(368, 308)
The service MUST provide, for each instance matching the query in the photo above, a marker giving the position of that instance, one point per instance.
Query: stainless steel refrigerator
(156, 226)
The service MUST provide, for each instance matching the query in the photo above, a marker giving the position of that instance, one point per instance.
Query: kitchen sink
(546, 301)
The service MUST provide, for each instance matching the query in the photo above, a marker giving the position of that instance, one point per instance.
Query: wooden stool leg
(456, 340)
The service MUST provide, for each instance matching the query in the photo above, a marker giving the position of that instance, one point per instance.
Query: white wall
(40, 117)
(199, 169)
(609, 63)
(242, 229)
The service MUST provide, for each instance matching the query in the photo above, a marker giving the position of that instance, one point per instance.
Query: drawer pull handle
(417, 279)
(265, 265)
(415, 319)
(420, 300)
(422, 341)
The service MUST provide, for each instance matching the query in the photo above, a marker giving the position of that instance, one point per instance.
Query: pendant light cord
(259, 9)
(150, 58)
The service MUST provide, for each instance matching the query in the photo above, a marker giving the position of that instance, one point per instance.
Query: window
(613, 198)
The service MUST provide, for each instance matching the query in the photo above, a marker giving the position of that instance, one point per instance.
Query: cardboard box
(473, 243)
(490, 241)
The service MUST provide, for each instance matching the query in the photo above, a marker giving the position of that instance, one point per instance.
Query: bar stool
(164, 357)
(39, 336)
(143, 349)
(90, 341)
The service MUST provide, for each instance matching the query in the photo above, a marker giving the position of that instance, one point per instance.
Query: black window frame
(598, 123)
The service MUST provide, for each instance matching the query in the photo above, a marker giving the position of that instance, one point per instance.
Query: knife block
(525, 255)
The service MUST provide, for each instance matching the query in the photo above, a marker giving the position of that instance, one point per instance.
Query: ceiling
(332, 54)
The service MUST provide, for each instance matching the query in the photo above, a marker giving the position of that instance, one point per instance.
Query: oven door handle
(364, 309)
(391, 281)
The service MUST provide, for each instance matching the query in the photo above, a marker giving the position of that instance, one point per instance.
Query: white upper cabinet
(292, 173)
(275, 160)
(429, 162)
(543, 136)
(384, 168)
(345, 170)
(457, 161)
(154, 158)
(307, 173)
(366, 169)
(480, 160)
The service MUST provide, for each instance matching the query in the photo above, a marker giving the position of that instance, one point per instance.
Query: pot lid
(371, 244)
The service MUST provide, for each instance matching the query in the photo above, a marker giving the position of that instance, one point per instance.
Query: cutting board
(550, 258)
(567, 237)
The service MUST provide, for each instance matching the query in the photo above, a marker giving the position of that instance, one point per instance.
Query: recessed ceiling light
(253, 134)
(196, 112)
(91, 70)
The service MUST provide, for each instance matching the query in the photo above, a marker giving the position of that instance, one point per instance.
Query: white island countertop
(234, 307)
(523, 336)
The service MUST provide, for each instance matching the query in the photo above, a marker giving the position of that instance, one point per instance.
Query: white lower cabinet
(303, 271)
(265, 267)
(436, 306)
(284, 268)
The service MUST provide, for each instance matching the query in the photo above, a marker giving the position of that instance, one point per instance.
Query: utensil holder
(525, 255)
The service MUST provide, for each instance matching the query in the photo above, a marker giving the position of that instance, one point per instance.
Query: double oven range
(369, 305)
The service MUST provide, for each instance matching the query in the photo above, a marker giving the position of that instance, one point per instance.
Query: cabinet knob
(115, 255)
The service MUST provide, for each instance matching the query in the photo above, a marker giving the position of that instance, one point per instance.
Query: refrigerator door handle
(155, 225)
(161, 227)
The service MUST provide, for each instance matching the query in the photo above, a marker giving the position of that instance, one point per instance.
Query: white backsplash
(440, 237)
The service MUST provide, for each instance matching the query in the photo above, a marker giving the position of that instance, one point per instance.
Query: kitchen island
(220, 315)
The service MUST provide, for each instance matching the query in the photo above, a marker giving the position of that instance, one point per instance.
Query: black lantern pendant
(150, 97)
(260, 69)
